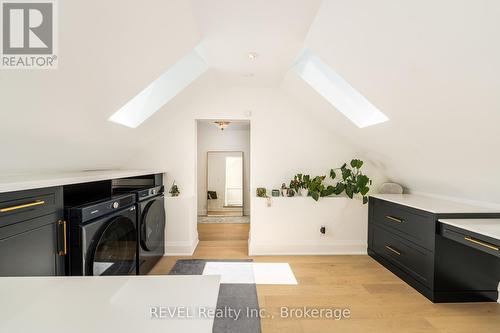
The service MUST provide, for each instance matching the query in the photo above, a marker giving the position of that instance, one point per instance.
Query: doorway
(223, 181)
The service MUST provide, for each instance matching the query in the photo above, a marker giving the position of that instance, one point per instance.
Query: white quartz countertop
(106, 304)
(433, 205)
(486, 227)
(18, 182)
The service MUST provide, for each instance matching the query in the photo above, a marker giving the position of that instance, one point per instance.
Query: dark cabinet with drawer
(411, 244)
(32, 233)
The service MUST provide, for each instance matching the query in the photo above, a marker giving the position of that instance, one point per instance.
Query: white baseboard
(181, 248)
(307, 248)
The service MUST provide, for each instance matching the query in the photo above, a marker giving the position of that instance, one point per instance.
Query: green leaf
(365, 200)
(328, 191)
(362, 180)
(314, 195)
(364, 190)
(359, 164)
(332, 174)
(339, 188)
(354, 163)
(349, 191)
(346, 173)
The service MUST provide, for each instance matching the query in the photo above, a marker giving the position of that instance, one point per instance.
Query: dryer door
(115, 250)
(152, 228)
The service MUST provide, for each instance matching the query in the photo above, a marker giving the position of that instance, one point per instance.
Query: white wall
(109, 51)
(235, 138)
(432, 68)
(292, 226)
(284, 140)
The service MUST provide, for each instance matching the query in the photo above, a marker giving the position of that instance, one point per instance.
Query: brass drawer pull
(65, 249)
(390, 248)
(488, 245)
(394, 219)
(31, 204)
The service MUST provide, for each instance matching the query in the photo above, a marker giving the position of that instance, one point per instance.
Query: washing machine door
(152, 228)
(115, 249)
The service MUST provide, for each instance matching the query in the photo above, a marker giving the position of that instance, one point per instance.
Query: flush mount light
(222, 124)
(252, 55)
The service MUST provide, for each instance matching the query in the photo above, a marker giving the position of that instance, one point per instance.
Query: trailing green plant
(316, 187)
(353, 181)
(300, 181)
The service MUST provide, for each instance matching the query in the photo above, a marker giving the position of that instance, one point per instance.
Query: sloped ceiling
(433, 67)
(108, 52)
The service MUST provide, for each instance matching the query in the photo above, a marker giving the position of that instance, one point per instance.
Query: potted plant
(261, 192)
(300, 184)
(284, 190)
(174, 190)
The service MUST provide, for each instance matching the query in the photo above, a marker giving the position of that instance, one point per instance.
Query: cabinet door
(30, 248)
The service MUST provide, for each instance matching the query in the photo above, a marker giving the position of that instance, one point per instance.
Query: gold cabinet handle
(390, 248)
(65, 249)
(394, 219)
(478, 242)
(31, 204)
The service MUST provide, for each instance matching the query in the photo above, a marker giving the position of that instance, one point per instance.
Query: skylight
(161, 91)
(337, 91)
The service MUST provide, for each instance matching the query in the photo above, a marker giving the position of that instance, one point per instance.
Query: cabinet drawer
(25, 205)
(419, 228)
(416, 261)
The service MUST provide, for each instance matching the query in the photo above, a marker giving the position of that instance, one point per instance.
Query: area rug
(238, 297)
(224, 219)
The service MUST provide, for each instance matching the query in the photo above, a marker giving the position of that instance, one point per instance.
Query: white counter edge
(49, 180)
(469, 226)
(446, 206)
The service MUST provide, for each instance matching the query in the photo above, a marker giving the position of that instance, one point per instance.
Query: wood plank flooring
(378, 300)
(223, 231)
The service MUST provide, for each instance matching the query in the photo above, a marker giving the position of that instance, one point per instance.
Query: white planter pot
(304, 192)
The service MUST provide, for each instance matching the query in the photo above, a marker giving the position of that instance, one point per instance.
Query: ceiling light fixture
(222, 124)
(252, 56)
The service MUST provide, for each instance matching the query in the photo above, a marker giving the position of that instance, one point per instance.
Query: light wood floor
(223, 231)
(377, 299)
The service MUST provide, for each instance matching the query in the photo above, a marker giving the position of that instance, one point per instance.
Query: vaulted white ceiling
(431, 66)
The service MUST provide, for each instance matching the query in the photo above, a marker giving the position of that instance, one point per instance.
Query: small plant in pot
(261, 192)
(300, 184)
(174, 190)
(284, 190)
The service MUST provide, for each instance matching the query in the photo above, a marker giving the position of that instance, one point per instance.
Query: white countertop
(105, 303)
(486, 227)
(433, 205)
(18, 182)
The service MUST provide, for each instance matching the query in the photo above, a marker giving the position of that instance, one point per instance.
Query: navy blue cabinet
(32, 233)
(412, 244)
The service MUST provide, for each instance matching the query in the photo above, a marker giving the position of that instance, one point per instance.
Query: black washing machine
(150, 225)
(103, 237)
